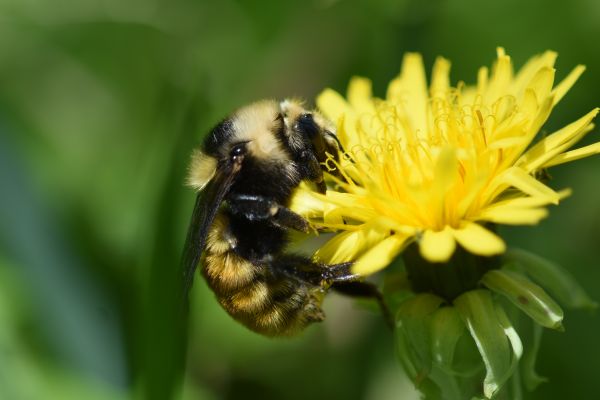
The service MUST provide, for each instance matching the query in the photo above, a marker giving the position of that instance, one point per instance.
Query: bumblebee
(245, 173)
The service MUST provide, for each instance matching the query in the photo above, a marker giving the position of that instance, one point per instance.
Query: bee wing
(205, 209)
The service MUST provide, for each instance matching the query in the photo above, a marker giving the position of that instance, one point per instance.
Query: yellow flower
(438, 165)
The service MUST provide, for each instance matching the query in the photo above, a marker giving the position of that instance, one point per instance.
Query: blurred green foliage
(101, 102)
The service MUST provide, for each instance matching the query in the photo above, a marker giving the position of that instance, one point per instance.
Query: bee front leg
(312, 169)
(260, 208)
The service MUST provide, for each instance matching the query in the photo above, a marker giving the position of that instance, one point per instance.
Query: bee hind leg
(338, 277)
(343, 281)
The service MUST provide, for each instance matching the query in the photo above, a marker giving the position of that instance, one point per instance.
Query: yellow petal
(482, 79)
(573, 155)
(541, 116)
(352, 213)
(360, 95)
(528, 184)
(542, 82)
(530, 103)
(437, 246)
(410, 90)
(534, 115)
(384, 223)
(550, 146)
(507, 142)
(446, 170)
(307, 203)
(563, 87)
(348, 205)
(440, 78)
(335, 108)
(513, 215)
(331, 215)
(478, 240)
(342, 247)
(446, 174)
(332, 104)
(530, 202)
(530, 68)
(379, 256)
(500, 79)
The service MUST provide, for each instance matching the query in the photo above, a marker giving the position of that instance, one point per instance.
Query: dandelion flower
(427, 173)
(440, 165)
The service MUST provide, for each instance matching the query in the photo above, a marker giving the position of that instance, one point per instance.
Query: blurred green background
(101, 102)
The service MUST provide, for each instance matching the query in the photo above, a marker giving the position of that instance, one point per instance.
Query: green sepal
(493, 335)
(446, 330)
(413, 340)
(531, 379)
(552, 277)
(457, 367)
(412, 318)
(527, 296)
(517, 352)
(412, 366)
(509, 331)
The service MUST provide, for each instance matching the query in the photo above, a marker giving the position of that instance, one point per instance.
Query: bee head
(285, 136)
(306, 130)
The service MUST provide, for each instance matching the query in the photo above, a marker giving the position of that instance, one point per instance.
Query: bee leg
(365, 290)
(313, 170)
(342, 280)
(338, 273)
(338, 277)
(260, 208)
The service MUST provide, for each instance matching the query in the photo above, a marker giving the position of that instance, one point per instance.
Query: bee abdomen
(267, 304)
(280, 313)
(225, 271)
(253, 298)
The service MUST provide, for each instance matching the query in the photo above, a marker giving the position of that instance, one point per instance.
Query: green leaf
(488, 328)
(527, 296)
(552, 277)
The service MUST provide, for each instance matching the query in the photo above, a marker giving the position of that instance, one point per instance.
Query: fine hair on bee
(245, 173)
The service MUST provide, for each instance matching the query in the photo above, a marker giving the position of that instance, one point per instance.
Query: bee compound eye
(237, 151)
(307, 125)
(306, 117)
